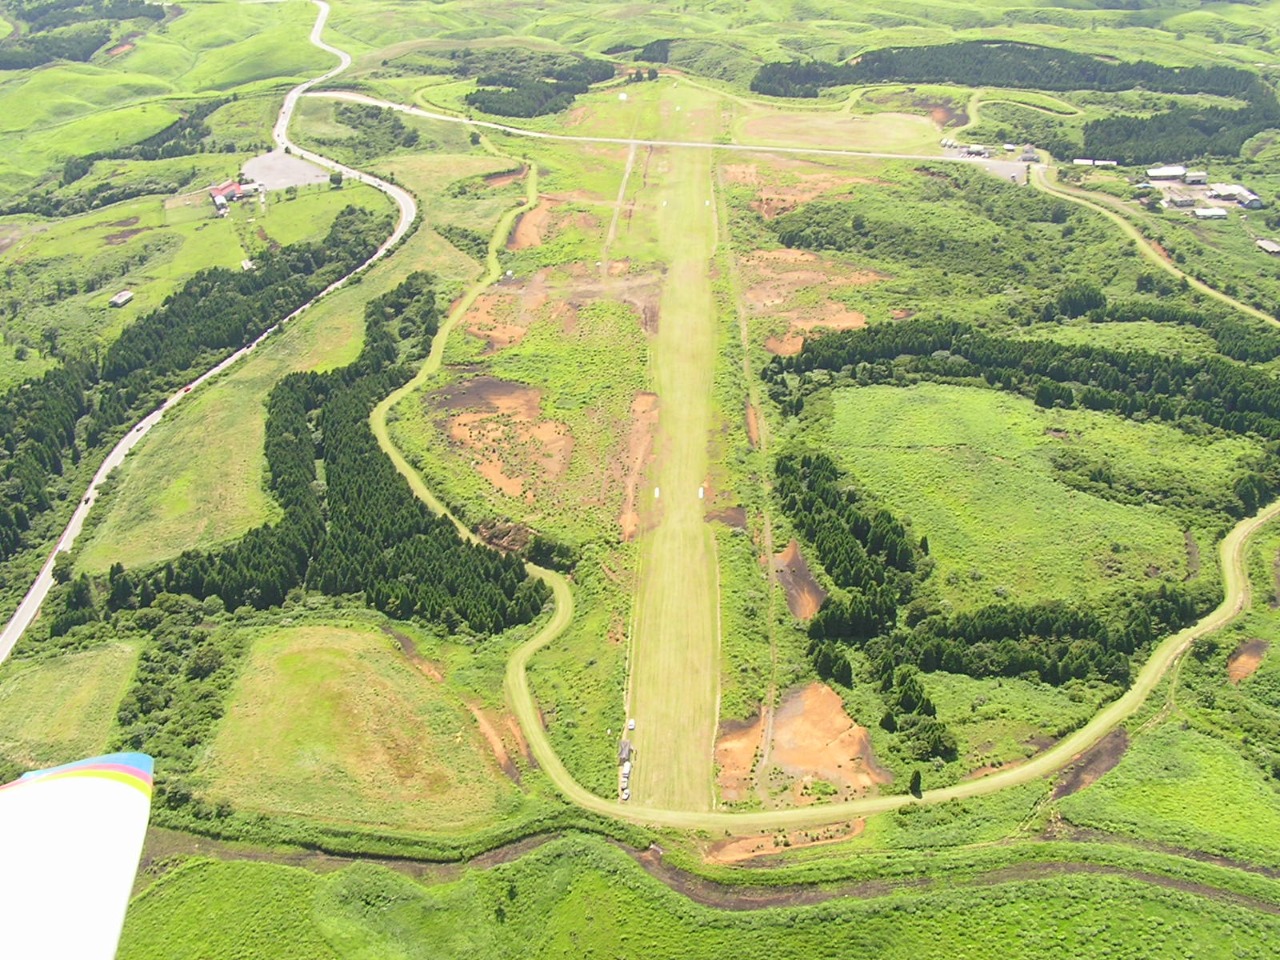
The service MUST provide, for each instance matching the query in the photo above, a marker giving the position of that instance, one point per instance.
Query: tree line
(361, 531)
(77, 406)
(1181, 131)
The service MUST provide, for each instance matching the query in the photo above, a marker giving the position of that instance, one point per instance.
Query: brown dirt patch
(735, 517)
(787, 346)
(644, 421)
(773, 200)
(123, 236)
(901, 314)
(740, 173)
(815, 740)
(126, 222)
(804, 596)
(410, 650)
(501, 423)
(1193, 556)
(737, 749)
(1093, 763)
(1245, 659)
(990, 769)
(787, 284)
(502, 319)
(739, 849)
(753, 426)
(120, 49)
(498, 180)
(531, 228)
(492, 737)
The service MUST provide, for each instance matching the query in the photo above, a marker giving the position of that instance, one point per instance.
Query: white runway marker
(701, 493)
(655, 493)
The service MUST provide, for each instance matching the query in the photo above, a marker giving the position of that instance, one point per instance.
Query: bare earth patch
(787, 284)
(531, 228)
(498, 180)
(818, 751)
(501, 423)
(804, 596)
(737, 750)
(503, 318)
(753, 426)
(1093, 763)
(1245, 659)
(739, 849)
(123, 236)
(644, 421)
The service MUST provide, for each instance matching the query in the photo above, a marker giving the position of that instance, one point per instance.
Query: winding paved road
(35, 596)
(516, 683)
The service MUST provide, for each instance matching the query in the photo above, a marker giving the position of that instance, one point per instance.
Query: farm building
(227, 193)
(1233, 191)
(1179, 198)
(1166, 173)
(1209, 213)
(121, 298)
(1269, 246)
(1195, 176)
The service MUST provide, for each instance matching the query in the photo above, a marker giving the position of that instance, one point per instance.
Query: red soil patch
(737, 750)
(116, 239)
(1093, 763)
(753, 426)
(497, 180)
(804, 596)
(740, 849)
(531, 228)
(410, 650)
(644, 421)
(901, 314)
(781, 283)
(1245, 659)
(121, 49)
(814, 739)
(501, 423)
(740, 173)
(990, 769)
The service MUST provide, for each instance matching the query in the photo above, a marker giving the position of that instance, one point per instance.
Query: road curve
(408, 211)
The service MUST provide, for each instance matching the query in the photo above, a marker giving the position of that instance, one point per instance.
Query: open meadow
(360, 734)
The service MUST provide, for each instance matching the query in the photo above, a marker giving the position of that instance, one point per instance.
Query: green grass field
(579, 897)
(973, 469)
(1188, 790)
(57, 710)
(358, 734)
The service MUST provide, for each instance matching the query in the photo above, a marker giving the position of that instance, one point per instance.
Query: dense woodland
(513, 82)
(1183, 131)
(79, 405)
(879, 609)
(66, 29)
(361, 530)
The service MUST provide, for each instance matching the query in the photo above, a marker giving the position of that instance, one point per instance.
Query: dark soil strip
(1193, 555)
(1096, 761)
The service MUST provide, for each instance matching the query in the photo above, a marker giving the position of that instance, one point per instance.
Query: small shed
(1171, 172)
(1178, 198)
(1209, 213)
(121, 298)
(624, 751)
(1269, 246)
(1195, 176)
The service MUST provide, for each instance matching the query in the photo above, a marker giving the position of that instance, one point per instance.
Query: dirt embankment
(804, 595)
(753, 426)
(644, 423)
(1245, 659)
(733, 850)
(1093, 763)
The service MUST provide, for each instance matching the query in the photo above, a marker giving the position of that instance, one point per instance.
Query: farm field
(359, 734)
(974, 470)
